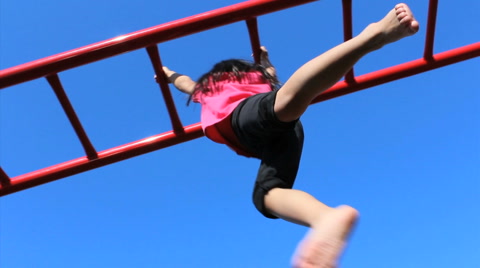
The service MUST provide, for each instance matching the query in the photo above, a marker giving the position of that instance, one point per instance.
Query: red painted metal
(149, 37)
(154, 55)
(431, 25)
(49, 67)
(106, 157)
(4, 179)
(252, 26)
(141, 39)
(57, 87)
(401, 71)
(348, 32)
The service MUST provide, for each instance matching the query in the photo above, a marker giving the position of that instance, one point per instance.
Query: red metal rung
(252, 26)
(348, 32)
(57, 87)
(154, 55)
(431, 25)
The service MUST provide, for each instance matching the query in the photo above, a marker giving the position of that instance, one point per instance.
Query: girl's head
(233, 69)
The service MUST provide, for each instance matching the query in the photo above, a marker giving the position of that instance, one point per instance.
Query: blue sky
(406, 154)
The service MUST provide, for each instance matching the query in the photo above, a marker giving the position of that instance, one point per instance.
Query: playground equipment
(148, 39)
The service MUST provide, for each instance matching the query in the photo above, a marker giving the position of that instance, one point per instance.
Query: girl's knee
(261, 191)
(289, 107)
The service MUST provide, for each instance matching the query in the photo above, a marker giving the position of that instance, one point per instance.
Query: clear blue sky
(406, 154)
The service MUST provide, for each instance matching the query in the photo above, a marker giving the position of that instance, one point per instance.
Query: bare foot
(324, 243)
(397, 24)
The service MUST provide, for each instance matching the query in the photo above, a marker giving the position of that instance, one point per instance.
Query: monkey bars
(148, 39)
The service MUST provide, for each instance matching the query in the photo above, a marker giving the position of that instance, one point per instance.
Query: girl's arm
(182, 82)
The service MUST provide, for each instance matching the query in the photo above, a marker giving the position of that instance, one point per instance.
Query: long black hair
(233, 69)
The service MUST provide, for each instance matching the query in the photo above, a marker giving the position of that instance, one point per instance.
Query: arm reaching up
(182, 82)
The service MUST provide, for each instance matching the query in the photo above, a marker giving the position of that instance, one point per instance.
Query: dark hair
(234, 69)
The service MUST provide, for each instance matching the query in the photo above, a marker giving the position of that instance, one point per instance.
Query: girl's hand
(263, 56)
(265, 61)
(169, 74)
(181, 82)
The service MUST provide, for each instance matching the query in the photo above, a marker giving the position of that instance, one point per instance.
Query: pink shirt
(218, 105)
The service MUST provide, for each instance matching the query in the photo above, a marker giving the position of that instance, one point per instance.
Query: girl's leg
(325, 70)
(330, 227)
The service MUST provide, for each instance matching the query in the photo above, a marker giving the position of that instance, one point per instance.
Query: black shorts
(277, 144)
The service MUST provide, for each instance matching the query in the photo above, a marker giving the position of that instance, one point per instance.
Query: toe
(399, 10)
(414, 26)
(402, 17)
(405, 19)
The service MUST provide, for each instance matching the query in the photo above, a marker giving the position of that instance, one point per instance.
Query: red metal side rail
(141, 39)
(401, 71)
(4, 179)
(106, 157)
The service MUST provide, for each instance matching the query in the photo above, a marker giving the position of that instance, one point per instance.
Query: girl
(242, 108)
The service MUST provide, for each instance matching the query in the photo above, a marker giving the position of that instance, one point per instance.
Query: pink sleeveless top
(218, 105)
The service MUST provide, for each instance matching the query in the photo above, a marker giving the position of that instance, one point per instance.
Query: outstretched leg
(325, 70)
(324, 243)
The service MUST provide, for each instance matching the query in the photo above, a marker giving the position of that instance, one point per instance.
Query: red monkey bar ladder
(149, 38)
